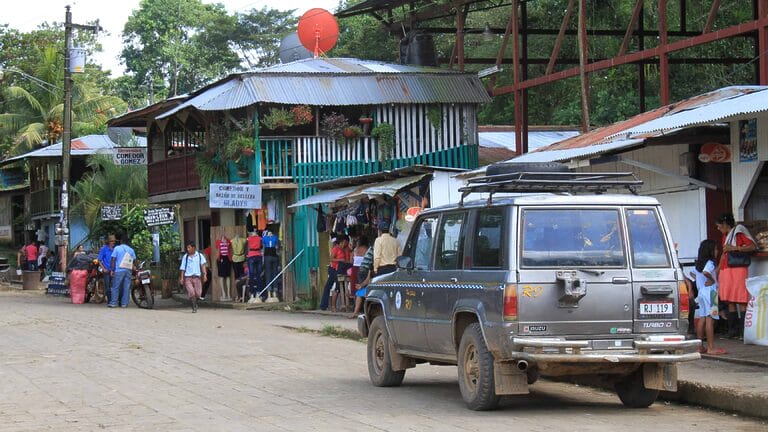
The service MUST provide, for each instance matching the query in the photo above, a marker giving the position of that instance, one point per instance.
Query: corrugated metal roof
(561, 155)
(748, 100)
(338, 82)
(324, 196)
(356, 193)
(536, 139)
(82, 146)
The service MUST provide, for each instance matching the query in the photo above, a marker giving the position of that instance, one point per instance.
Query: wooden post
(583, 66)
(664, 54)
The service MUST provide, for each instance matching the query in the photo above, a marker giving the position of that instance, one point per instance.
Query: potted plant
(302, 114)
(385, 135)
(333, 125)
(239, 144)
(278, 119)
(351, 132)
(366, 122)
(210, 168)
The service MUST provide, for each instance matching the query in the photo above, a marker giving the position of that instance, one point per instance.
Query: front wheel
(142, 296)
(379, 361)
(633, 393)
(476, 382)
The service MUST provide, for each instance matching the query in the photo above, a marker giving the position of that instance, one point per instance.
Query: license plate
(145, 281)
(655, 308)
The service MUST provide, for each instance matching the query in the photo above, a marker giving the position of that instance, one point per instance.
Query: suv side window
(420, 250)
(486, 251)
(450, 242)
(646, 239)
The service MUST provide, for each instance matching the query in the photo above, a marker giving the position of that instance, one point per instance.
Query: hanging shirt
(239, 246)
(223, 247)
(254, 246)
(270, 245)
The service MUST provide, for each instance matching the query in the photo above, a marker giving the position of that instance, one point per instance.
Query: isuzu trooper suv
(561, 280)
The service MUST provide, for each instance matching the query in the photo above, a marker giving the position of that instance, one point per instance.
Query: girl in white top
(708, 308)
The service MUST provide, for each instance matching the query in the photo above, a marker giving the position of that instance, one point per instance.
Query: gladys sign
(238, 196)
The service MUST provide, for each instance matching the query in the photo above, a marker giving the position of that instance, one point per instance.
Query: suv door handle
(620, 280)
(655, 289)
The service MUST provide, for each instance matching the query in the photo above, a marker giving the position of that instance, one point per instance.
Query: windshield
(572, 238)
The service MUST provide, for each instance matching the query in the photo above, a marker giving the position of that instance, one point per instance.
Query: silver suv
(550, 284)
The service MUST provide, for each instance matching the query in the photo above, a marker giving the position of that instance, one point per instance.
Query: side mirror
(404, 263)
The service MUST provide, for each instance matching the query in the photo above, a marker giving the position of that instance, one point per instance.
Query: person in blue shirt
(105, 264)
(122, 266)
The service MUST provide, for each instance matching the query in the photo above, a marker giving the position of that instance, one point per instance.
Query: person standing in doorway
(122, 265)
(105, 264)
(386, 249)
(254, 263)
(193, 274)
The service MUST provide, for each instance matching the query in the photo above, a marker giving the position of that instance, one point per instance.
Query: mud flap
(398, 361)
(509, 380)
(660, 376)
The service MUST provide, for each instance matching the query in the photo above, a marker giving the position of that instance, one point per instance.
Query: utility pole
(66, 137)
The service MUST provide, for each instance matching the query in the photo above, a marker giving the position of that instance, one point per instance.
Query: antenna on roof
(318, 31)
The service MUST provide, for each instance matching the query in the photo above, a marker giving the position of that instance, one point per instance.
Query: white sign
(157, 216)
(238, 196)
(6, 232)
(130, 156)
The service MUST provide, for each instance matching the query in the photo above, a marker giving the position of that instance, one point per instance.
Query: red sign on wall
(714, 152)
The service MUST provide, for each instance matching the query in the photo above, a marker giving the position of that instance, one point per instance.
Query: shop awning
(325, 196)
(390, 187)
(355, 193)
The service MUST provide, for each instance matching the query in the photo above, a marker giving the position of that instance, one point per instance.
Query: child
(708, 309)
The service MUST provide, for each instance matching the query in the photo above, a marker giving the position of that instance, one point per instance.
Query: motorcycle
(94, 289)
(141, 290)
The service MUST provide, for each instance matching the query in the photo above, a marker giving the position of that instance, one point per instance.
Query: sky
(112, 15)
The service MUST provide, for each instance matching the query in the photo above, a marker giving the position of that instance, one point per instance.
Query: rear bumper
(580, 351)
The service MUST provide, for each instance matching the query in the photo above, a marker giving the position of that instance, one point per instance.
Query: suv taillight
(682, 299)
(510, 302)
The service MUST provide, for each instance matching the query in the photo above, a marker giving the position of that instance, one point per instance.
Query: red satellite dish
(318, 31)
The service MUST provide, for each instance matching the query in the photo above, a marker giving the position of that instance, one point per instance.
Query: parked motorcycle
(94, 286)
(141, 290)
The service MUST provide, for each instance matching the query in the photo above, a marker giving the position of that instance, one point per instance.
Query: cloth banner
(756, 317)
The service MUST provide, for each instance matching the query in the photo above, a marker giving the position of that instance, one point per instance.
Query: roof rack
(555, 182)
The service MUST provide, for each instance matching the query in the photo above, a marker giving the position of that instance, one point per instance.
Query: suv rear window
(646, 239)
(572, 237)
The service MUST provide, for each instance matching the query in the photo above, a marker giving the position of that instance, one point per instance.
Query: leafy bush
(333, 125)
(278, 118)
(302, 114)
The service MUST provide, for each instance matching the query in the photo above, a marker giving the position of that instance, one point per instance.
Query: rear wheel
(95, 292)
(148, 295)
(633, 393)
(379, 361)
(139, 296)
(476, 380)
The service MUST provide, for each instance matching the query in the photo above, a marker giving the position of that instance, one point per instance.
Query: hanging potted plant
(302, 114)
(240, 143)
(385, 135)
(278, 119)
(210, 168)
(366, 122)
(351, 132)
(333, 125)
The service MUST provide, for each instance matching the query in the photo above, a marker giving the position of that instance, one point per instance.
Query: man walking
(192, 273)
(121, 265)
(30, 251)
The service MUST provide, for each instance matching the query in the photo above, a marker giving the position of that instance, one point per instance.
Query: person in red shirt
(341, 258)
(30, 251)
(254, 263)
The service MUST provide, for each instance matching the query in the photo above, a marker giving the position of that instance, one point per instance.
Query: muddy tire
(475, 366)
(379, 362)
(633, 393)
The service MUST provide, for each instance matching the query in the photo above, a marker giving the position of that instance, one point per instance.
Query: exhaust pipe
(522, 365)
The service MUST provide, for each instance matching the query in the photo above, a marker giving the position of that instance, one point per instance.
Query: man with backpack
(193, 274)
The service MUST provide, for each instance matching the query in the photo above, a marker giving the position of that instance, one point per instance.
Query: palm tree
(34, 113)
(107, 183)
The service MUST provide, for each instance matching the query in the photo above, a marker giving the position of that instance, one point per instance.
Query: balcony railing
(45, 202)
(173, 175)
